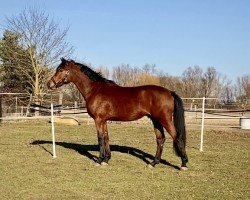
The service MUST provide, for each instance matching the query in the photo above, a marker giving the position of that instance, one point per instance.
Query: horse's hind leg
(160, 139)
(178, 144)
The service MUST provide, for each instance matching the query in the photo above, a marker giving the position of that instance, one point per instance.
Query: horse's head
(63, 74)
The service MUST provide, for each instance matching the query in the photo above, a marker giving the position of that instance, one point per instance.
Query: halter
(64, 79)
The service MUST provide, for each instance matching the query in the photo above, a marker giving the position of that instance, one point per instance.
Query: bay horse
(105, 101)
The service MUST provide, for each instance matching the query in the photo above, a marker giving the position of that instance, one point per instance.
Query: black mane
(94, 76)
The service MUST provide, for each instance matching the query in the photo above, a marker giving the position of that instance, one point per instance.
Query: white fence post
(202, 123)
(53, 130)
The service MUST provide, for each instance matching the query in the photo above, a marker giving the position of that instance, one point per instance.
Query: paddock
(199, 112)
(28, 172)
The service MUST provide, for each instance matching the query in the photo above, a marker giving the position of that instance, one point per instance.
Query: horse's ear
(62, 59)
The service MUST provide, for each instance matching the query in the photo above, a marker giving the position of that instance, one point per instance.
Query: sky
(172, 34)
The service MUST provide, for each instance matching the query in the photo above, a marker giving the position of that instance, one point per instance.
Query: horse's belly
(127, 115)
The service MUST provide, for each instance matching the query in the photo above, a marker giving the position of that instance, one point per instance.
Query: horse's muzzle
(51, 85)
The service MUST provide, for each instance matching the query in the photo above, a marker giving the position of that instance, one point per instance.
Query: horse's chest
(97, 107)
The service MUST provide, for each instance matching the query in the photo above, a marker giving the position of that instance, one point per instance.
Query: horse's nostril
(50, 84)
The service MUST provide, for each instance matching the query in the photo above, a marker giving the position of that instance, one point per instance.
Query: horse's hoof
(150, 166)
(104, 163)
(97, 164)
(184, 168)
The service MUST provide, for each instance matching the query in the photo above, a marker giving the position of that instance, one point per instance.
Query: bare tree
(242, 90)
(103, 70)
(45, 43)
(192, 81)
(150, 69)
(125, 75)
(144, 78)
(197, 83)
(213, 83)
(173, 83)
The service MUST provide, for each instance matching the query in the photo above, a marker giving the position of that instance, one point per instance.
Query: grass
(28, 171)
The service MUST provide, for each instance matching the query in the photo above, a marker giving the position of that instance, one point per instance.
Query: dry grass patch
(28, 171)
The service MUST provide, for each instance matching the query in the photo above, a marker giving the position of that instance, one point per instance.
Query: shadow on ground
(86, 150)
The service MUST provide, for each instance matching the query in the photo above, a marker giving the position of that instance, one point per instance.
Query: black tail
(179, 123)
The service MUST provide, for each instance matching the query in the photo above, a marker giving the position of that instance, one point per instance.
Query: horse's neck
(84, 85)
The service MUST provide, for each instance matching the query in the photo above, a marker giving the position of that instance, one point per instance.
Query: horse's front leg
(103, 141)
(160, 139)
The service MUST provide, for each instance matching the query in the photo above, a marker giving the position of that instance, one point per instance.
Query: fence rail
(48, 111)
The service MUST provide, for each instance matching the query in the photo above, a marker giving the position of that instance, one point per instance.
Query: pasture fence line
(202, 119)
(218, 114)
(195, 108)
(18, 106)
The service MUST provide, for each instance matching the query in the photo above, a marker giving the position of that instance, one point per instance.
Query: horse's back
(158, 98)
(146, 93)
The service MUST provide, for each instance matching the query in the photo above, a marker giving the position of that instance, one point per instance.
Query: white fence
(23, 111)
(16, 106)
